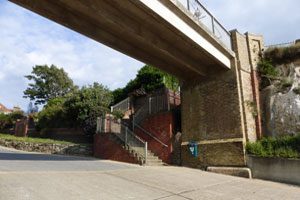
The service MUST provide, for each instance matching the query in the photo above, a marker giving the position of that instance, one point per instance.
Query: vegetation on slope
(32, 140)
(275, 67)
(283, 55)
(285, 147)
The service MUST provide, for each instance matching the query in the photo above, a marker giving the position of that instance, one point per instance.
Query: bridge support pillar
(220, 112)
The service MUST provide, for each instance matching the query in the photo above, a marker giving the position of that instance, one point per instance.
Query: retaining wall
(106, 147)
(275, 169)
(67, 149)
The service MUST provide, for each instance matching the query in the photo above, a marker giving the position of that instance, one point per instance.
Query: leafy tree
(86, 104)
(48, 83)
(54, 115)
(5, 122)
(149, 78)
(8, 121)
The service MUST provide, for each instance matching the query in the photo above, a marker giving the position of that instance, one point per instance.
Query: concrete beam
(134, 28)
(162, 10)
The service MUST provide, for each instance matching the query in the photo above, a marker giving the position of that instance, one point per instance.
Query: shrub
(286, 82)
(86, 104)
(53, 115)
(8, 121)
(118, 114)
(79, 109)
(285, 147)
(267, 72)
(5, 122)
(296, 90)
(282, 55)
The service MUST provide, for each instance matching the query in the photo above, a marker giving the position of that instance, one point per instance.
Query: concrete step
(154, 163)
(153, 158)
(138, 153)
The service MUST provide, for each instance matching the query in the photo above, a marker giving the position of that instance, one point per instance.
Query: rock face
(281, 103)
(66, 149)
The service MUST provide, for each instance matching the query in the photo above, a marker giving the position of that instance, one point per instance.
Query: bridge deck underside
(133, 29)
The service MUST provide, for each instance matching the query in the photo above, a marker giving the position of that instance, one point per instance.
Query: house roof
(3, 109)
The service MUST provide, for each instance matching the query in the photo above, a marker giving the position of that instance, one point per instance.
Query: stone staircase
(160, 101)
(137, 152)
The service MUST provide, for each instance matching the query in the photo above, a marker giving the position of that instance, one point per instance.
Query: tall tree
(86, 104)
(149, 78)
(48, 83)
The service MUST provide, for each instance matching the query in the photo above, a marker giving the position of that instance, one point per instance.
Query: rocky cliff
(280, 101)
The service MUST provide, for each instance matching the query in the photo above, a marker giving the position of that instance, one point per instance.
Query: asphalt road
(32, 176)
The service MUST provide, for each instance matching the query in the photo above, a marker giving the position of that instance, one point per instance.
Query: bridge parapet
(201, 14)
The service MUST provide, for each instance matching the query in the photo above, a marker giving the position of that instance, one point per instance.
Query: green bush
(54, 115)
(8, 121)
(79, 109)
(148, 79)
(296, 90)
(86, 104)
(267, 72)
(285, 147)
(282, 55)
(118, 114)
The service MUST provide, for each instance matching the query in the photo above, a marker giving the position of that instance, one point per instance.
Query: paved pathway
(31, 176)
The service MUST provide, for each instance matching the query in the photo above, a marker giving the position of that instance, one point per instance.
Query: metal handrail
(129, 138)
(138, 116)
(123, 105)
(134, 135)
(214, 24)
(287, 44)
(212, 17)
(150, 134)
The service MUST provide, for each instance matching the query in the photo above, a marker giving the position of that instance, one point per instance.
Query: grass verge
(283, 147)
(33, 140)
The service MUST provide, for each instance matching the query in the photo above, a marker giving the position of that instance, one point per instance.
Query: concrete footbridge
(162, 33)
(217, 68)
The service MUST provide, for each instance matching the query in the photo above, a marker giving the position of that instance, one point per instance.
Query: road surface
(33, 176)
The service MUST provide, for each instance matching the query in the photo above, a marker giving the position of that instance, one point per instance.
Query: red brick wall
(161, 126)
(21, 128)
(106, 148)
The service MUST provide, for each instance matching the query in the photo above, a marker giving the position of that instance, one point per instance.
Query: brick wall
(217, 111)
(105, 147)
(161, 126)
(21, 127)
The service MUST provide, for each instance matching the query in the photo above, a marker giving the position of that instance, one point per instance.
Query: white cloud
(28, 39)
(277, 20)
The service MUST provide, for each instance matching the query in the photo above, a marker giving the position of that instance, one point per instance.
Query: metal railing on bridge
(208, 20)
(281, 45)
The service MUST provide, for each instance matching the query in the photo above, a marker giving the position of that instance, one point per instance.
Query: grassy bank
(284, 147)
(32, 140)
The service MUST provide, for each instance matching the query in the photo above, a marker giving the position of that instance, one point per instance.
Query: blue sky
(27, 39)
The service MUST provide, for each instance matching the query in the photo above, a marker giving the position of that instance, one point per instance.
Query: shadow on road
(40, 157)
